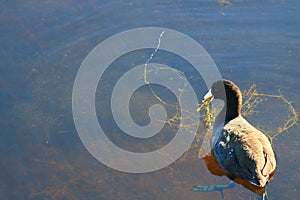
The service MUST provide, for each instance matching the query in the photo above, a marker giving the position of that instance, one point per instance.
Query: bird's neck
(232, 108)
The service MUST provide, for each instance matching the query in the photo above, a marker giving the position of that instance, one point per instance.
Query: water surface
(42, 46)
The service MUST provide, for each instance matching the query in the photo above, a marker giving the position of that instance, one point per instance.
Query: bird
(238, 150)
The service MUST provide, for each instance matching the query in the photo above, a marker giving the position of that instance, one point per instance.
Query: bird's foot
(219, 188)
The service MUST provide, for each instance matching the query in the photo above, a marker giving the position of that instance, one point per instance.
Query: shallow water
(43, 44)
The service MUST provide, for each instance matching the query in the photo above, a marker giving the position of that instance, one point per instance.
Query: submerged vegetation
(63, 169)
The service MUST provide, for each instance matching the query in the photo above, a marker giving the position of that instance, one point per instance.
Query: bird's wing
(245, 152)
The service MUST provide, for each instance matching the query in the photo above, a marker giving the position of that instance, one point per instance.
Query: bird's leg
(264, 196)
(219, 188)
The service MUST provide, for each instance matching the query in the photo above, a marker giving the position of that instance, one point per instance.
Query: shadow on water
(42, 47)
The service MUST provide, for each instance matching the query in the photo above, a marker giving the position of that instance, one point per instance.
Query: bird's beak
(208, 97)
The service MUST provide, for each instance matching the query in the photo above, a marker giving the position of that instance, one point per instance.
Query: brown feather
(240, 151)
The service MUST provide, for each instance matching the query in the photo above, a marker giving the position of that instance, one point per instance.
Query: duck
(238, 150)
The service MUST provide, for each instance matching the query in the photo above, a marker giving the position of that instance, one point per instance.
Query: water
(43, 44)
